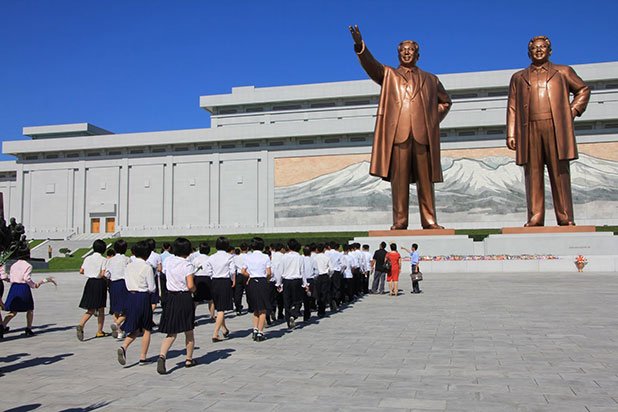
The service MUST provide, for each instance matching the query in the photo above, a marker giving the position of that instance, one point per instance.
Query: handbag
(387, 264)
(417, 276)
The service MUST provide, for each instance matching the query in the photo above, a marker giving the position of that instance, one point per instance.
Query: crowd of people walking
(279, 282)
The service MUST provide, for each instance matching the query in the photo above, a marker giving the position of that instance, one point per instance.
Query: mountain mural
(487, 186)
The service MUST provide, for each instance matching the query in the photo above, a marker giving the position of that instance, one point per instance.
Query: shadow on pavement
(45, 360)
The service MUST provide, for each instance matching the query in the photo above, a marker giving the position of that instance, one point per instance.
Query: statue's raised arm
(374, 68)
(358, 38)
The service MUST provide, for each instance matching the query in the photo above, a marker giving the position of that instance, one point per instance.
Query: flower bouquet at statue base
(580, 263)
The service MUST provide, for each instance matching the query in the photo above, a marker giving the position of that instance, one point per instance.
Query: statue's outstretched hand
(356, 35)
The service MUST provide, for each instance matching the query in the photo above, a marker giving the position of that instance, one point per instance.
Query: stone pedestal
(415, 232)
(547, 229)
(558, 244)
(428, 245)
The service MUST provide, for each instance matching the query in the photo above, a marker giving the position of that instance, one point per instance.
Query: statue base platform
(547, 229)
(550, 249)
(414, 232)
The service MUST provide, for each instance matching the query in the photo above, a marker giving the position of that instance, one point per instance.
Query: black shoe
(122, 355)
(28, 332)
(268, 321)
(260, 337)
(255, 334)
(238, 312)
(161, 366)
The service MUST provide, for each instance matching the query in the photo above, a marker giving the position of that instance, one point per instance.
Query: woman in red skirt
(393, 275)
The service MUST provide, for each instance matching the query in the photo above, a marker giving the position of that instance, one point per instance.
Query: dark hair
(110, 252)
(182, 247)
(365, 247)
(120, 247)
(382, 245)
(319, 247)
(307, 251)
(393, 246)
(222, 244)
(204, 248)
(294, 245)
(257, 243)
(277, 246)
(346, 248)
(99, 246)
(244, 247)
(414, 246)
(167, 246)
(141, 250)
(151, 244)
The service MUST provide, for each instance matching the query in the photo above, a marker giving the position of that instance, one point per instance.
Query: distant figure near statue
(540, 129)
(406, 145)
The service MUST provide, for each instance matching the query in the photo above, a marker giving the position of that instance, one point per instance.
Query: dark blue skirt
(202, 289)
(222, 294)
(95, 294)
(154, 296)
(258, 294)
(117, 296)
(138, 312)
(178, 313)
(19, 298)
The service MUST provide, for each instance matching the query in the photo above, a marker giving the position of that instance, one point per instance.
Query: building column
(215, 187)
(168, 191)
(123, 194)
(19, 192)
(80, 198)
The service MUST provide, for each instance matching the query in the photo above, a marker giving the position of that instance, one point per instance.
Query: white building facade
(294, 158)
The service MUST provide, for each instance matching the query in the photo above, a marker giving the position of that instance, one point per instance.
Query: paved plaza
(484, 342)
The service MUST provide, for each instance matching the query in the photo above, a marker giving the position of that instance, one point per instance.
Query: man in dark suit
(406, 145)
(540, 128)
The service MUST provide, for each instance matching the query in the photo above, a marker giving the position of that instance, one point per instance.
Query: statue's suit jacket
(561, 81)
(429, 107)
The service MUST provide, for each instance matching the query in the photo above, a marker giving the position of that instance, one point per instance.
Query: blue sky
(141, 65)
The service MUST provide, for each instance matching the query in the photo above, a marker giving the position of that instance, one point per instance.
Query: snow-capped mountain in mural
(491, 185)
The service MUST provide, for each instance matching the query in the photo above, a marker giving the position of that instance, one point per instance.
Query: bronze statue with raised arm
(539, 127)
(406, 144)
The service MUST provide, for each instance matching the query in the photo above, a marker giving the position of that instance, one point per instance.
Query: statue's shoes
(567, 223)
(399, 227)
(434, 226)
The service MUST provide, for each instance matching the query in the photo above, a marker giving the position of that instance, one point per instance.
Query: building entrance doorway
(110, 225)
(95, 225)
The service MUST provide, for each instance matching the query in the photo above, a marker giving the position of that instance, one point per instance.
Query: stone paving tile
(496, 342)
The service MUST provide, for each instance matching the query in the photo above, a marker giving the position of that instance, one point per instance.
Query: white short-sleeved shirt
(256, 263)
(139, 276)
(335, 259)
(276, 266)
(154, 260)
(93, 265)
(116, 266)
(310, 268)
(367, 259)
(347, 261)
(239, 261)
(221, 265)
(176, 271)
(199, 262)
(323, 264)
(292, 266)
